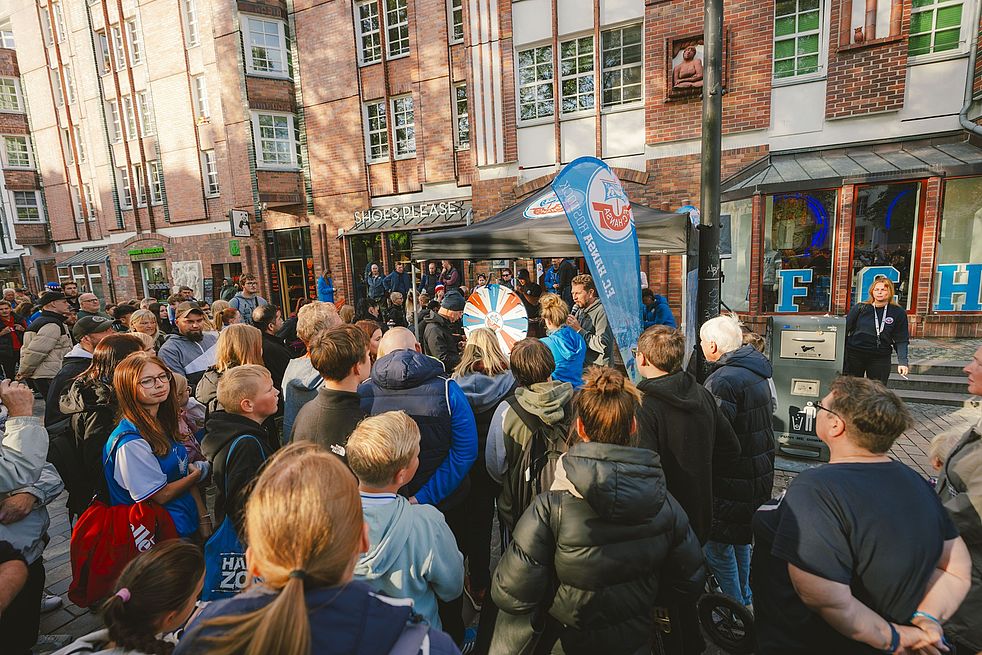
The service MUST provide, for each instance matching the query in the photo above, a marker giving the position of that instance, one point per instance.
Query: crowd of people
(346, 484)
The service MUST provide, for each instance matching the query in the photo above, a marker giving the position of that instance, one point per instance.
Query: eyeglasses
(151, 382)
(820, 406)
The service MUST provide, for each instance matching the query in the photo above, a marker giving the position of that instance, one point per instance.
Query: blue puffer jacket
(415, 383)
(659, 313)
(740, 384)
(569, 350)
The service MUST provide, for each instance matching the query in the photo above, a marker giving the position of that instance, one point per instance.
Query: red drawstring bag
(104, 541)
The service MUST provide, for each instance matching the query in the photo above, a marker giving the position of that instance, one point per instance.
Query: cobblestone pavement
(958, 350)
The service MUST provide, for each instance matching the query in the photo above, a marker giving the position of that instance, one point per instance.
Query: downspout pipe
(970, 76)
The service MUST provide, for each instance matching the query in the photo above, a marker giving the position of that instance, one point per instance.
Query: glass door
(293, 284)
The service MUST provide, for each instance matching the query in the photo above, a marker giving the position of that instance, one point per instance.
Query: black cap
(50, 296)
(91, 325)
(454, 302)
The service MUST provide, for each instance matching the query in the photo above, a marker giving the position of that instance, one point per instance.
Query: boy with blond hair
(413, 554)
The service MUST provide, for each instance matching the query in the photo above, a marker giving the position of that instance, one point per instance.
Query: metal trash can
(807, 353)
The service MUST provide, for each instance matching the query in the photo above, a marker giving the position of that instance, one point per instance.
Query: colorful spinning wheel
(500, 309)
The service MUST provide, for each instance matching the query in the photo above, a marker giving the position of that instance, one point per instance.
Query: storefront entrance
(290, 268)
(154, 277)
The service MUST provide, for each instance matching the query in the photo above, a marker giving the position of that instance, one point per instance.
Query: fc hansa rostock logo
(610, 210)
(545, 207)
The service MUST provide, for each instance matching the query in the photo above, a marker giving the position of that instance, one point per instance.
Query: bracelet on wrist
(894, 640)
(927, 616)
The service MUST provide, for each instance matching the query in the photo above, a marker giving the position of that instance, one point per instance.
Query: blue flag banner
(600, 214)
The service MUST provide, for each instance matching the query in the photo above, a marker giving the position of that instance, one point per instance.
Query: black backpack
(537, 465)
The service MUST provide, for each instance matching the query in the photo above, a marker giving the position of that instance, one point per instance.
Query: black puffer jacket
(739, 382)
(602, 538)
(91, 406)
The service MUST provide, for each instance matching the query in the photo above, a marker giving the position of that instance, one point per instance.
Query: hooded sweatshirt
(680, 420)
(95, 643)
(75, 362)
(300, 384)
(485, 393)
(569, 350)
(189, 358)
(412, 555)
(221, 429)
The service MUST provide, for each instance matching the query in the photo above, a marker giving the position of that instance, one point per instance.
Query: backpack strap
(118, 442)
(414, 638)
(228, 457)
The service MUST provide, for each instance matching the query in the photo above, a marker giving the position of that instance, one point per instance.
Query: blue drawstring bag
(225, 566)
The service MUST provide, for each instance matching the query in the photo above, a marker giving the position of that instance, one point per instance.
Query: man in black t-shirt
(851, 547)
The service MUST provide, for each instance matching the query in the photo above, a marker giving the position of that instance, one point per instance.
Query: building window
(404, 126)
(886, 227)
(377, 131)
(66, 142)
(191, 23)
(535, 83)
(275, 139)
(104, 56)
(60, 31)
(935, 26)
(456, 21)
(17, 152)
(118, 50)
(136, 43)
(69, 85)
(125, 193)
(10, 95)
(462, 131)
(76, 202)
(156, 183)
(369, 33)
(397, 27)
(79, 144)
(200, 92)
(621, 73)
(113, 113)
(797, 32)
(27, 206)
(145, 108)
(46, 28)
(89, 201)
(959, 246)
(737, 219)
(141, 189)
(211, 172)
(576, 75)
(56, 87)
(130, 115)
(267, 47)
(799, 230)
(6, 35)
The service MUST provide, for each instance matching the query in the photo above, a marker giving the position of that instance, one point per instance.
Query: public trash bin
(807, 353)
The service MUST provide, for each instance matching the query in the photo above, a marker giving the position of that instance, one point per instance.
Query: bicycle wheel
(727, 623)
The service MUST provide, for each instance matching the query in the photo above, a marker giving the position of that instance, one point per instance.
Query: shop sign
(793, 283)
(959, 288)
(146, 253)
(431, 214)
(233, 247)
(311, 281)
(868, 275)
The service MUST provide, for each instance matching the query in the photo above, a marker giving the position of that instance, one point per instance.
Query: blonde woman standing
(873, 329)
(237, 344)
(144, 322)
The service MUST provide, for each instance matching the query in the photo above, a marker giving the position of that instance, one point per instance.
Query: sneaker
(50, 602)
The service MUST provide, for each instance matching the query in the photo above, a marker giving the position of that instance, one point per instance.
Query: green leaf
(808, 64)
(784, 8)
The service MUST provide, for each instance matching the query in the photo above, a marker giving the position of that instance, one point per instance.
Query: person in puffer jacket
(604, 538)
(740, 381)
(567, 346)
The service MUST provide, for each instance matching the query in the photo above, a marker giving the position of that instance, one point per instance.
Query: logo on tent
(546, 206)
(610, 209)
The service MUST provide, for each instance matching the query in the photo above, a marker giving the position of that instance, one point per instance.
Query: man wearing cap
(46, 342)
(87, 332)
(191, 351)
(439, 339)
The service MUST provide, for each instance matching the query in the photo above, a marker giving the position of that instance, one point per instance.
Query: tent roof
(538, 227)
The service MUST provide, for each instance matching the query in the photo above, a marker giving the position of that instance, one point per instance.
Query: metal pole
(712, 119)
(412, 267)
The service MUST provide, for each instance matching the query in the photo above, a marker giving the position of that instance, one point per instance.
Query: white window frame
(119, 52)
(577, 75)
(104, 52)
(535, 83)
(76, 197)
(964, 31)
(28, 149)
(90, 201)
(199, 89)
(822, 33)
(192, 36)
(129, 116)
(135, 41)
(79, 143)
(18, 97)
(7, 35)
(257, 140)
(115, 121)
(125, 188)
(630, 104)
(66, 141)
(60, 31)
(47, 32)
(69, 85)
(141, 189)
(381, 130)
(408, 125)
(209, 164)
(251, 69)
(402, 28)
(455, 9)
(373, 38)
(156, 183)
(144, 109)
(37, 205)
(56, 87)
(460, 143)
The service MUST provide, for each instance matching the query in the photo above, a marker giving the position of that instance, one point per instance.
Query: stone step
(938, 398)
(917, 382)
(947, 367)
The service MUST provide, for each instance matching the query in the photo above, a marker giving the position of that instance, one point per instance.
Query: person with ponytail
(155, 595)
(305, 531)
(602, 540)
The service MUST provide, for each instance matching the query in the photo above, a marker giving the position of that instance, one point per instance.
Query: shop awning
(86, 256)
(538, 227)
(859, 164)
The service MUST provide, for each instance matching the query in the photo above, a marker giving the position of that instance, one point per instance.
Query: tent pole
(412, 268)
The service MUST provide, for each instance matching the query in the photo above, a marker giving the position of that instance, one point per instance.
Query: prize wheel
(500, 309)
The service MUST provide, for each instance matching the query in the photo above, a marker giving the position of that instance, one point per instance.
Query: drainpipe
(970, 77)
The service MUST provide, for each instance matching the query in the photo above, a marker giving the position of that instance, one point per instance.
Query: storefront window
(366, 249)
(735, 252)
(958, 277)
(400, 247)
(95, 280)
(886, 225)
(799, 229)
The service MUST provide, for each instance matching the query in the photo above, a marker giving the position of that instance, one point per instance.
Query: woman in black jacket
(873, 329)
(587, 559)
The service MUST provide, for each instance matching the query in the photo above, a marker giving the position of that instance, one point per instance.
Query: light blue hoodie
(300, 384)
(412, 555)
(569, 350)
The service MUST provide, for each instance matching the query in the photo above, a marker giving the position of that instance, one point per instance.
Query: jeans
(731, 565)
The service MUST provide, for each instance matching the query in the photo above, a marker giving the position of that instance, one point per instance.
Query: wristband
(894, 640)
(926, 616)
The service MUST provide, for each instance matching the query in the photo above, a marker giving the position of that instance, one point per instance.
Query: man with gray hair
(740, 383)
